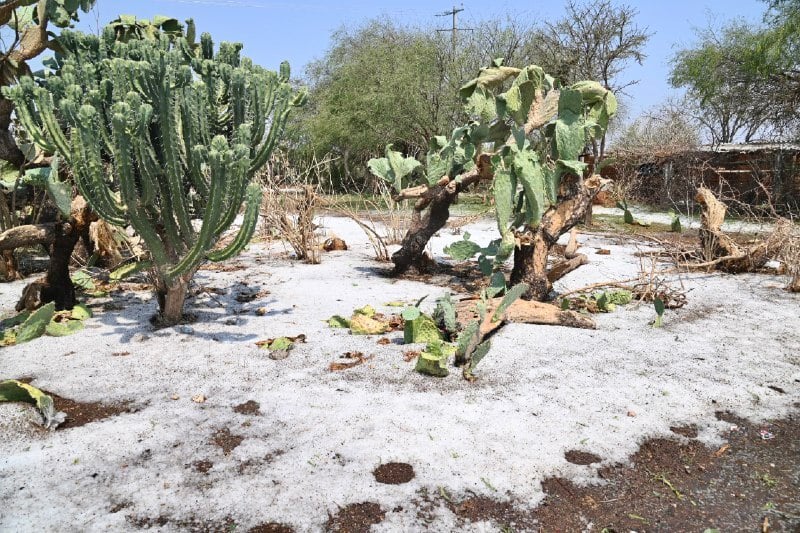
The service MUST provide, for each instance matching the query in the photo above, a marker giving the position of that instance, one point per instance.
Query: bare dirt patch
(505, 514)
(203, 466)
(749, 482)
(578, 457)
(356, 518)
(194, 525)
(271, 527)
(226, 440)
(690, 432)
(394, 473)
(82, 413)
(250, 407)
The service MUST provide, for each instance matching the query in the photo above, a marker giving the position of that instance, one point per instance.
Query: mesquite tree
(528, 140)
(159, 133)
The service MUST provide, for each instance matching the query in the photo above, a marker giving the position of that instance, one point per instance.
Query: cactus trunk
(56, 286)
(530, 257)
(421, 230)
(171, 297)
(530, 266)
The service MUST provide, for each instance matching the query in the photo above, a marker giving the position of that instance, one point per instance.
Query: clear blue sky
(300, 31)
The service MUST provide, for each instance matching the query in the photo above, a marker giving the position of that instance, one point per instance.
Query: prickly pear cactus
(533, 133)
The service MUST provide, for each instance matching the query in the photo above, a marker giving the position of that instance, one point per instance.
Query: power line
(454, 29)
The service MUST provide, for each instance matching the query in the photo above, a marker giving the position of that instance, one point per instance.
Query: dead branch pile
(719, 251)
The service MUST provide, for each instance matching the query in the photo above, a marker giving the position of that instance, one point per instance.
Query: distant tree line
(385, 82)
(742, 80)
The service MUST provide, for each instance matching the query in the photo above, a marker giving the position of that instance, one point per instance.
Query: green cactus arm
(170, 146)
(236, 188)
(259, 107)
(220, 163)
(238, 97)
(90, 171)
(149, 170)
(505, 188)
(194, 154)
(282, 111)
(124, 166)
(248, 228)
(22, 95)
(54, 132)
(530, 173)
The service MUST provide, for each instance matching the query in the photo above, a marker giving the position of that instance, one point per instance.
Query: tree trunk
(794, 284)
(171, 297)
(60, 239)
(9, 151)
(423, 228)
(58, 284)
(530, 256)
(438, 199)
(8, 266)
(530, 266)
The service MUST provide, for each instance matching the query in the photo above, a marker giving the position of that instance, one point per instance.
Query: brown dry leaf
(198, 398)
(765, 525)
(334, 243)
(721, 451)
(603, 251)
(410, 355)
(396, 323)
(384, 341)
(359, 359)
(120, 354)
(590, 502)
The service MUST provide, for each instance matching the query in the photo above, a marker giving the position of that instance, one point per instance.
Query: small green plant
(768, 480)
(433, 359)
(28, 326)
(599, 302)
(627, 216)
(675, 225)
(658, 303)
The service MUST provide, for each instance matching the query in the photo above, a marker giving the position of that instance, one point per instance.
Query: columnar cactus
(159, 133)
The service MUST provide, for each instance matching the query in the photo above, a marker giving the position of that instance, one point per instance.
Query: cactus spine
(158, 133)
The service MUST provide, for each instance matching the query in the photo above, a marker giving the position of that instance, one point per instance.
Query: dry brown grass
(288, 213)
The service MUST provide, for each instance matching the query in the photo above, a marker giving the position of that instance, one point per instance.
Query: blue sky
(300, 31)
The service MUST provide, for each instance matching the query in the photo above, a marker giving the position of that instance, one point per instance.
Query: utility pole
(455, 29)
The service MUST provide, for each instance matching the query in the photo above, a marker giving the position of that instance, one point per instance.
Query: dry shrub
(383, 220)
(788, 235)
(288, 213)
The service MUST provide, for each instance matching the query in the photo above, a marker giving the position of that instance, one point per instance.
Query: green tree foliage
(388, 83)
(374, 86)
(742, 79)
(727, 98)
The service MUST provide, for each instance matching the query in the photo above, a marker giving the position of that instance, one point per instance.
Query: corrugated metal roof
(751, 147)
